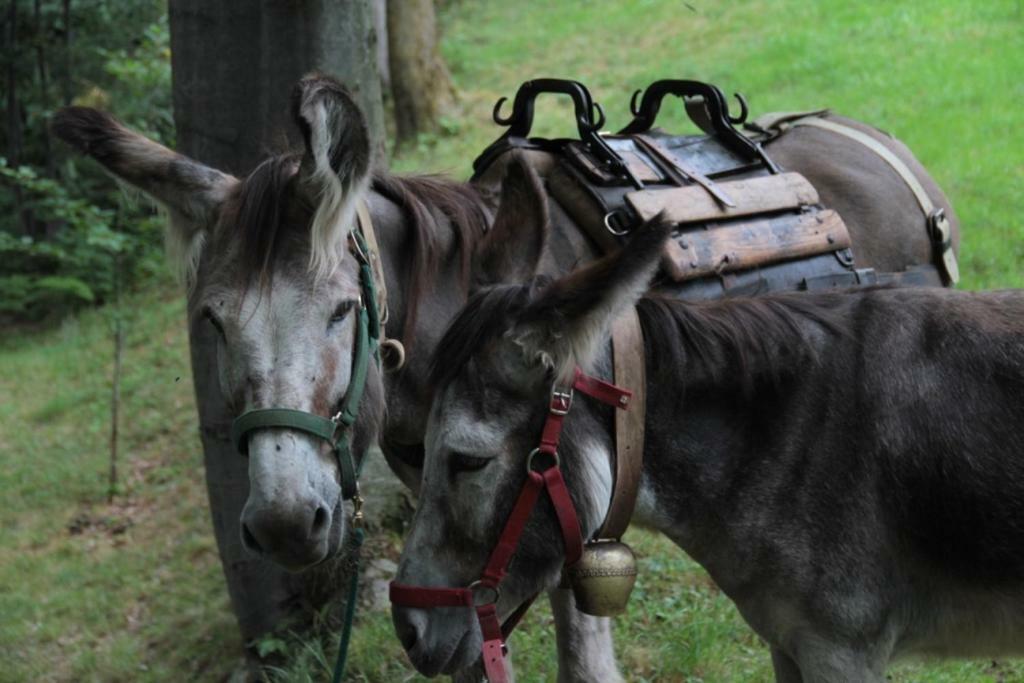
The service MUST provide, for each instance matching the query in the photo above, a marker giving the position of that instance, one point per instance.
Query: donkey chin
(442, 645)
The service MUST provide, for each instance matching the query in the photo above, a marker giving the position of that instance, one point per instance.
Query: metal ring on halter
(608, 225)
(535, 451)
(398, 349)
(480, 584)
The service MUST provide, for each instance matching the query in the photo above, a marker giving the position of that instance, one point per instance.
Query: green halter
(334, 430)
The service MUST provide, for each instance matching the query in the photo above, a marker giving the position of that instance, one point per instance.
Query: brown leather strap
(677, 166)
(935, 219)
(628, 356)
(366, 223)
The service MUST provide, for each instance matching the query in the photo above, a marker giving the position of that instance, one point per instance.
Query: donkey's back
(910, 511)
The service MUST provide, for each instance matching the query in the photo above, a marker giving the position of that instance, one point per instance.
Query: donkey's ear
(567, 323)
(511, 250)
(335, 171)
(191, 192)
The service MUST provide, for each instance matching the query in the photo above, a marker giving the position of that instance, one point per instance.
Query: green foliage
(42, 277)
(68, 235)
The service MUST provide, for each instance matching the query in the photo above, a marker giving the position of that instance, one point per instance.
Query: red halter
(482, 595)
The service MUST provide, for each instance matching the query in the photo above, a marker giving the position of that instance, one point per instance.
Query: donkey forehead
(288, 316)
(473, 415)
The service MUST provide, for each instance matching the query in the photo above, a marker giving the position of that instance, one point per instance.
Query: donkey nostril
(320, 520)
(249, 540)
(406, 632)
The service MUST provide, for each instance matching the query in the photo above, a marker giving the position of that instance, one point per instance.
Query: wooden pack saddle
(742, 224)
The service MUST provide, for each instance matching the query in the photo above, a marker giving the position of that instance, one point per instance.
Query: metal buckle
(941, 233)
(561, 401)
(480, 584)
(357, 509)
(939, 225)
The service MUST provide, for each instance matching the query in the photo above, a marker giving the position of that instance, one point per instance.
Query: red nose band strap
(546, 475)
(427, 598)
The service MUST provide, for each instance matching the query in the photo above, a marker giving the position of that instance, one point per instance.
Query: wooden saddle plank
(729, 248)
(693, 203)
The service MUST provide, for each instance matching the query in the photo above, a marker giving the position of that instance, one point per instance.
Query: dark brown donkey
(225, 231)
(848, 466)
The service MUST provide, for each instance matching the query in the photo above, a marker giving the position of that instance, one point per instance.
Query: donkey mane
(723, 340)
(737, 340)
(255, 220)
(428, 202)
(256, 223)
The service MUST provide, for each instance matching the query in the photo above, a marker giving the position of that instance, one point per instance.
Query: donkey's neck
(711, 435)
(445, 293)
(428, 303)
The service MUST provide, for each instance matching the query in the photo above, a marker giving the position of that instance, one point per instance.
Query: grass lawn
(133, 590)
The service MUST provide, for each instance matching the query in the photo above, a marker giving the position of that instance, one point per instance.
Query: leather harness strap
(878, 148)
(630, 371)
(545, 474)
(373, 257)
(940, 230)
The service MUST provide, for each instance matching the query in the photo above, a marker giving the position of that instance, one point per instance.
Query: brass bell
(603, 578)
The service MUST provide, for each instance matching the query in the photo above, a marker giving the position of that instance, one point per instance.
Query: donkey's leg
(823, 662)
(786, 670)
(585, 648)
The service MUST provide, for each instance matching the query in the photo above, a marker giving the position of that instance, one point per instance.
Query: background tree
(421, 86)
(234, 65)
(60, 240)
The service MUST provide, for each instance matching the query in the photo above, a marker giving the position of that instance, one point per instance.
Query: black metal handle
(520, 121)
(717, 108)
(645, 115)
(589, 120)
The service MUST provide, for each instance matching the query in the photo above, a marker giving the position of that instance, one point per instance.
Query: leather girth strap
(630, 371)
(940, 231)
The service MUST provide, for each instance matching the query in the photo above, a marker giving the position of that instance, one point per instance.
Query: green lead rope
(350, 608)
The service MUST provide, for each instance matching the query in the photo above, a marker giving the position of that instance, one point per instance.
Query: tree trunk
(44, 83)
(234, 66)
(67, 82)
(234, 63)
(14, 130)
(420, 82)
(380, 25)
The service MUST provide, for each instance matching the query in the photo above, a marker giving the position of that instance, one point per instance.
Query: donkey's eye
(217, 325)
(463, 462)
(341, 311)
